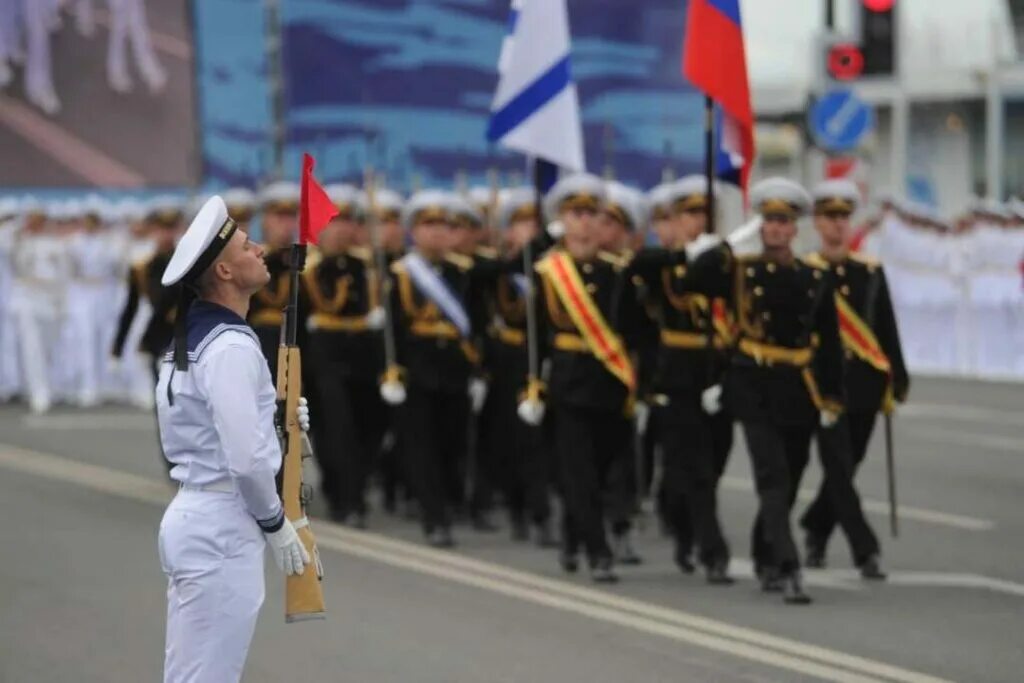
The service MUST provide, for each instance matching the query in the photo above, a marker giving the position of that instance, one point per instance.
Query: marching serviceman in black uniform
(241, 203)
(279, 205)
(436, 315)
(623, 216)
(785, 375)
(345, 317)
(590, 319)
(874, 371)
(692, 353)
(518, 449)
(165, 221)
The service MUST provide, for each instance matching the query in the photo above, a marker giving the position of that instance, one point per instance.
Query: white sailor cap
(166, 210)
(130, 209)
(282, 195)
(580, 190)
(659, 199)
(95, 206)
(990, 207)
(516, 204)
(838, 194)
(348, 200)
(780, 196)
(387, 203)
(30, 205)
(627, 205)
(690, 193)
(1016, 207)
(66, 210)
(241, 203)
(465, 211)
(481, 196)
(9, 207)
(198, 248)
(426, 205)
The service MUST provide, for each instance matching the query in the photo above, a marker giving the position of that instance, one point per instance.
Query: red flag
(715, 61)
(315, 208)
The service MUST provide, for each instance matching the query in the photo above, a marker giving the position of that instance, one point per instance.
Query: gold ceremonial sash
(605, 344)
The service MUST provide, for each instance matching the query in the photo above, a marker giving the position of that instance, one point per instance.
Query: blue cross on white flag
(536, 109)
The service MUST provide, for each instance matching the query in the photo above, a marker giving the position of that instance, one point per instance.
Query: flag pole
(709, 162)
(533, 362)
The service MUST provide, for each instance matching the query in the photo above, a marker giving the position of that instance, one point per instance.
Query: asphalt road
(81, 594)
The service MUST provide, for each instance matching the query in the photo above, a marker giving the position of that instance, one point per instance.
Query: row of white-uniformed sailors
(958, 286)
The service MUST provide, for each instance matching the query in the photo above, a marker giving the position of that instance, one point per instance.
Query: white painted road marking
(881, 508)
(783, 653)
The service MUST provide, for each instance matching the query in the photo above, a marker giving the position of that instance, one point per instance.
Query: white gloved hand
(556, 229)
(829, 419)
(376, 319)
(289, 553)
(701, 245)
(393, 393)
(642, 415)
(477, 394)
(711, 399)
(302, 414)
(310, 324)
(744, 233)
(531, 412)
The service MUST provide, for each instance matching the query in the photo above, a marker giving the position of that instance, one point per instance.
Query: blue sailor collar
(207, 321)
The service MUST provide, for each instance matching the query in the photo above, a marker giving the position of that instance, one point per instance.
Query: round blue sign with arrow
(839, 120)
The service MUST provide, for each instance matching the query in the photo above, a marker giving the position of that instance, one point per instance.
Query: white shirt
(220, 426)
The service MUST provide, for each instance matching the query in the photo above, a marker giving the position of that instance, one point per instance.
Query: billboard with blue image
(406, 86)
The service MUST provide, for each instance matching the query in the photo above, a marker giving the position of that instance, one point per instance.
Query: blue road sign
(839, 120)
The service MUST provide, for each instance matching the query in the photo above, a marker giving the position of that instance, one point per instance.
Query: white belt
(222, 486)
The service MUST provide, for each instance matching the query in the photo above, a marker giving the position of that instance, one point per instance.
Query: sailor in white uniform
(215, 408)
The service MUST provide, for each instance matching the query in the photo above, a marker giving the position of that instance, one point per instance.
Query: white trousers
(39, 327)
(212, 553)
(128, 24)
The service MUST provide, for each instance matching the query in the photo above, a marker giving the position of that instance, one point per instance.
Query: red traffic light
(845, 62)
(879, 5)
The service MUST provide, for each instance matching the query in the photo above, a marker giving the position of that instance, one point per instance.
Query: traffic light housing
(879, 34)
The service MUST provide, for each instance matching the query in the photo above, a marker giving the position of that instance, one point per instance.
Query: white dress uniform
(216, 417)
(42, 269)
(10, 375)
(128, 24)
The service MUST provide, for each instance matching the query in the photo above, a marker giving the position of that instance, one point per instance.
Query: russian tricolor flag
(715, 61)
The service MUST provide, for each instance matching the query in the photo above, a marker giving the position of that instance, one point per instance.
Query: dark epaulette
(871, 263)
(619, 262)
(361, 253)
(486, 253)
(460, 261)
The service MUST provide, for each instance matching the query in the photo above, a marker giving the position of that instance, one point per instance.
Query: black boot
(441, 537)
(815, 558)
(771, 580)
(544, 537)
(569, 560)
(623, 549)
(871, 569)
(482, 522)
(683, 561)
(601, 571)
(793, 591)
(718, 574)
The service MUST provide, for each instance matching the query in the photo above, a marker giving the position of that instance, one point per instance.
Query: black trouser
(589, 445)
(435, 443)
(519, 454)
(622, 484)
(352, 429)
(694, 450)
(778, 455)
(841, 450)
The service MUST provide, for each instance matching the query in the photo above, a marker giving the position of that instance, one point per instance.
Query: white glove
(302, 414)
(556, 229)
(700, 245)
(289, 553)
(828, 419)
(642, 415)
(393, 393)
(310, 324)
(744, 233)
(477, 394)
(376, 319)
(711, 399)
(531, 412)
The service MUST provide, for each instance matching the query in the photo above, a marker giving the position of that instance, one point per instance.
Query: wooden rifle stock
(304, 597)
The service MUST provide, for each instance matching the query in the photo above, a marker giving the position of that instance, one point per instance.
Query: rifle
(303, 598)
